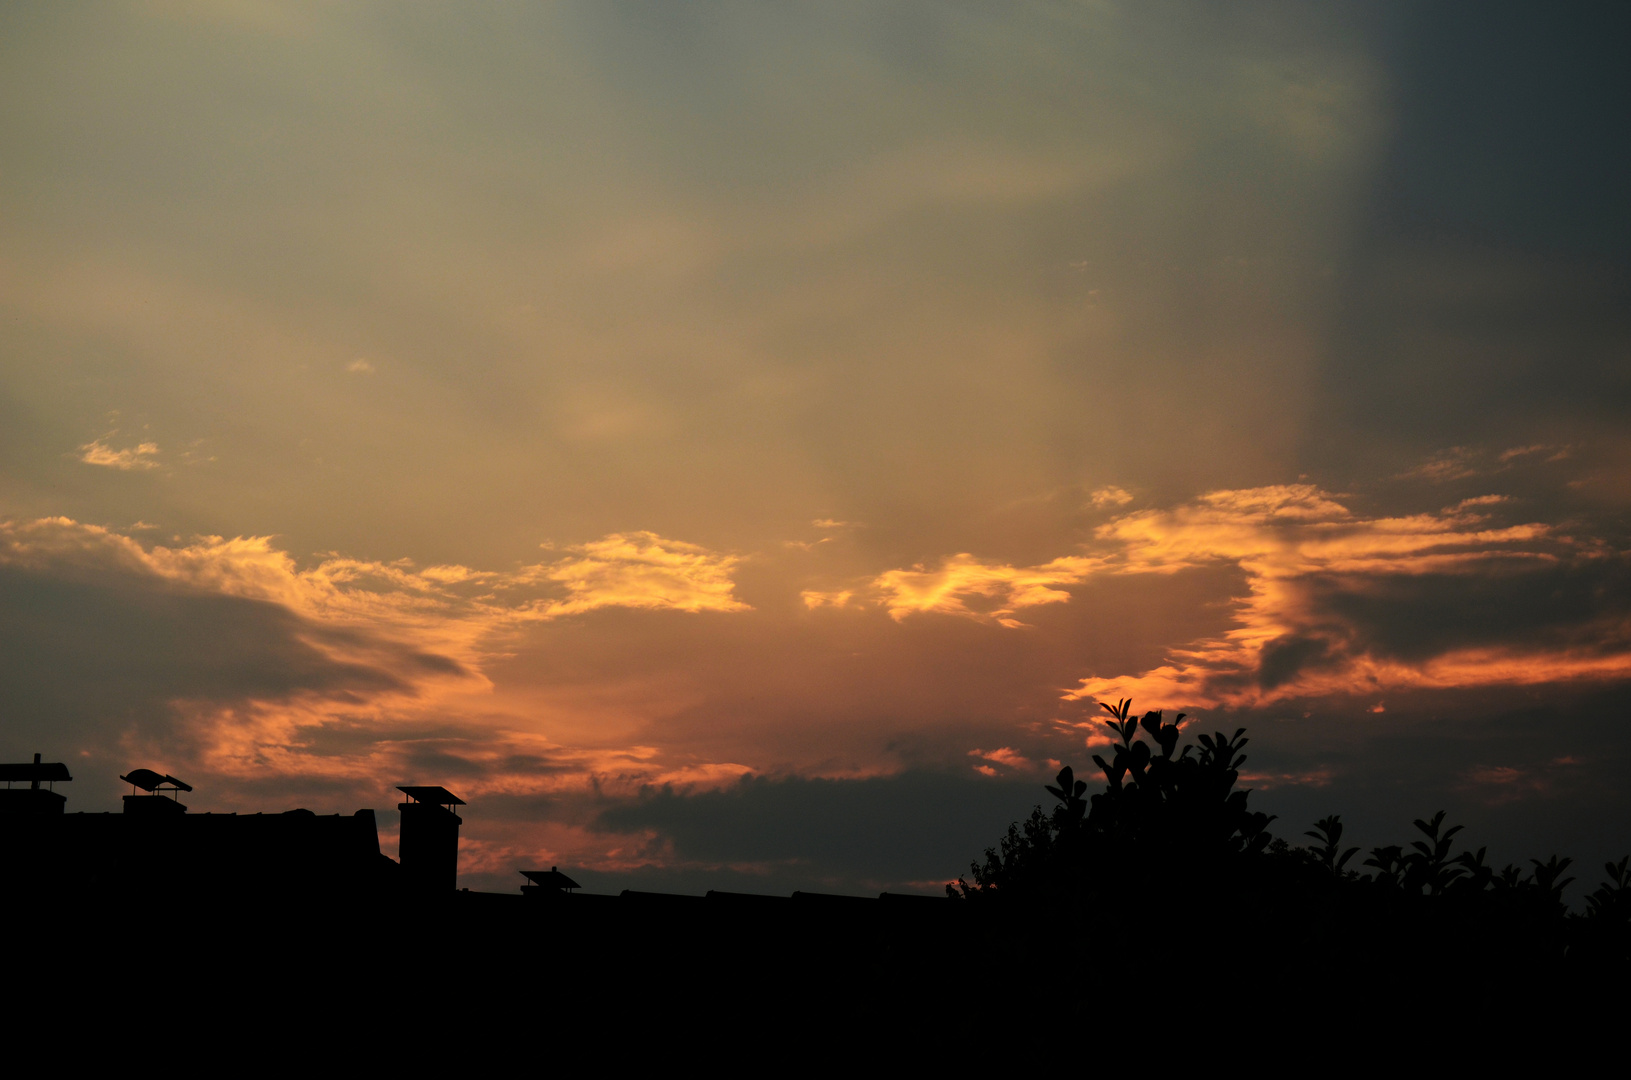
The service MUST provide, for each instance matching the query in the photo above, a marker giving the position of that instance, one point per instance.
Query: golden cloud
(139, 456)
(384, 651)
(1335, 603)
(962, 579)
(1002, 755)
(446, 607)
(639, 570)
(1311, 564)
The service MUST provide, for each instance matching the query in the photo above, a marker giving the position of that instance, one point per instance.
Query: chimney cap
(431, 794)
(148, 780)
(35, 770)
(550, 879)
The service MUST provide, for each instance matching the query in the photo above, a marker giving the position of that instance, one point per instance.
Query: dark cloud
(1489, 290)
(1530, 773)
(1286, 657)
(1582, 604)
(83, 659)
(97, 647)
(916, 826)
(1512, 122)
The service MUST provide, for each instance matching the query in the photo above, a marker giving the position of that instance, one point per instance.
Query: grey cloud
(87, 653)
(1528, 773)
(1286, 657)
(1582, 604)
(1578, 604)
(1488, 293)
(917, 825)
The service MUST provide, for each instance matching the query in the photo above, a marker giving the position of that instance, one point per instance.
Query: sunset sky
(735, 445)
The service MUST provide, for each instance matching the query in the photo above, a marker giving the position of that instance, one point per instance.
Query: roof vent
(436, 796)
(548, 881)
(157, 785)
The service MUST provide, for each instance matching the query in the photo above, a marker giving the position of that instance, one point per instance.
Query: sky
(738, 445)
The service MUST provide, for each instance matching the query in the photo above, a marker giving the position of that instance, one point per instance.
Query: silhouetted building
(429, 845)
(274, 908)
(297, 851)
(48, 852)
(33, 799)
(156, 785)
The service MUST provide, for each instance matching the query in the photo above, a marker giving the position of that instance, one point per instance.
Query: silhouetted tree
(1170, 842)
(1612, 900)
(1160, 809)
(1328, 831)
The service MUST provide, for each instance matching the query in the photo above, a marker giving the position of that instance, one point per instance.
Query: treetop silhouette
(1171, 836)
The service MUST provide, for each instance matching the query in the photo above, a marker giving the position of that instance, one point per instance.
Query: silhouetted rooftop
(437, 795)
(744, 898)
(43, 771)
(550, 879)
(148, 780)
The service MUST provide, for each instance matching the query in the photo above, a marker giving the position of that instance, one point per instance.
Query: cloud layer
(984, 359)
(227, 654)
(1344, 604)
(1337, 603)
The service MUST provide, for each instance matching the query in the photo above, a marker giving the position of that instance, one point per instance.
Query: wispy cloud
(963, 585)
(1456, 463)
(1545, 451)
(1498, 784)
(1466, 462)
(814, 598)
(638, 570)
(1006, 756)
(139, 456)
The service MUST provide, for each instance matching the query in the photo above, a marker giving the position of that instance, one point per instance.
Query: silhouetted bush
(1169, 843)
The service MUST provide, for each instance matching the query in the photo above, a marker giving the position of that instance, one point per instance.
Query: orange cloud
(1336, 603)
(962, 579)
(139, 456)
(1003, 755)
(638, 570)
(1309, 778)
(382, 653)
(1310, 564)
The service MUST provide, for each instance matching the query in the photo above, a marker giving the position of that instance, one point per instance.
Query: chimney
(33, 799)
(429, 850)
(157, 785)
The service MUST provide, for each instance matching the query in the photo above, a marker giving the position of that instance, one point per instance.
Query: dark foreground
(1157, 917)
